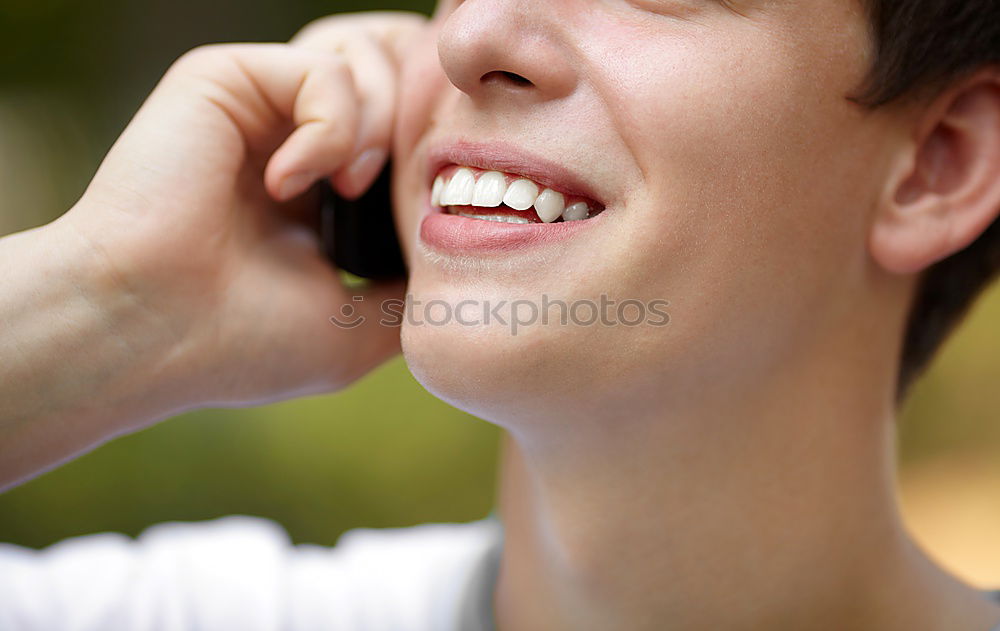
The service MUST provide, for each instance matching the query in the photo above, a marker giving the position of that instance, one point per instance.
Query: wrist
(132, 352)
(80, 365)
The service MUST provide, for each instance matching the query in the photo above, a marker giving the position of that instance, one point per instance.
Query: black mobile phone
(359, 236)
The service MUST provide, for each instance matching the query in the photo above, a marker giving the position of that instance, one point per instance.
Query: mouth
(506, 197)
(494, 198)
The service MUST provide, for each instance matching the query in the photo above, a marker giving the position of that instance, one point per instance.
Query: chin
(504, 379)
(536, 376)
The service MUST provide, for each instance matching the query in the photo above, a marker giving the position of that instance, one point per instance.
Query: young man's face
(737, 178)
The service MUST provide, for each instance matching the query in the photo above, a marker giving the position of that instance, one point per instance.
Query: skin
(731, 470)
(174, 282)
(653, 474)
(733, 146)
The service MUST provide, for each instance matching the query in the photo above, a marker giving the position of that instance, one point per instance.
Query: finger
(375, 78)
(326, 113)
(391, 29)
(275, 94)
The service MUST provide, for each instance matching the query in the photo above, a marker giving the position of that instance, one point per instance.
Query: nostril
(502, 76)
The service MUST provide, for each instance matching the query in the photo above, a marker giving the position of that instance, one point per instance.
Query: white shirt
(243, 574)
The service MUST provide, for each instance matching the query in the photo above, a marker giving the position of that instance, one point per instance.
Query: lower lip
(454, 234)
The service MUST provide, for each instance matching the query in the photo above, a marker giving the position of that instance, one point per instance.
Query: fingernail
(363, 171)
(295, 184)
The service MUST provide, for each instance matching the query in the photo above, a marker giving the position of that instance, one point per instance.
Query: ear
(946, 190)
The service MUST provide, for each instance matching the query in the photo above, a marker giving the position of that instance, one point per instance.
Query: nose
(495, 50)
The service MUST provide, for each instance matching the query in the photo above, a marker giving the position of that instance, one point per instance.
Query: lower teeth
(500, 218)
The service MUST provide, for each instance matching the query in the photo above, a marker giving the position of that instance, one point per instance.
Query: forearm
(186, 277)
(76, 353)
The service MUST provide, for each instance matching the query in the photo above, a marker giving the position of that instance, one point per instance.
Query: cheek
(750, 219)
(759, 178)
(746, 108)
(421, 86)
(761, 140)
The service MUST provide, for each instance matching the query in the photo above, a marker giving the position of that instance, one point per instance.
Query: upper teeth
(459, 190)
(491, 189)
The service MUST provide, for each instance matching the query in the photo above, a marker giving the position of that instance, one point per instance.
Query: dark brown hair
(920, 47)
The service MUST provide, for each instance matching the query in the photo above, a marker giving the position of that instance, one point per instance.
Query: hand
(198, 216)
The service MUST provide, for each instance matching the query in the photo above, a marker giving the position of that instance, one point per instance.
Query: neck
(755, 517)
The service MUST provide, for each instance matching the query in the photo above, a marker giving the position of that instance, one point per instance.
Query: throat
(585, 550)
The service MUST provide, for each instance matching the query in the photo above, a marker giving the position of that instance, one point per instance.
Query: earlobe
(947, 190)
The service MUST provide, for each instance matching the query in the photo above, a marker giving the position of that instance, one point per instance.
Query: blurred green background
(384, 453)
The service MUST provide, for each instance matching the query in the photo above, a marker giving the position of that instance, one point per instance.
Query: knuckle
(325, 68)
(204, 58)
(340, 138)
(198, 55)
(318, 27)
(336, 68)
(399, 23)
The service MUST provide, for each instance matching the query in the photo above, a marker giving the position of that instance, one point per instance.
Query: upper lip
(508, 158)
